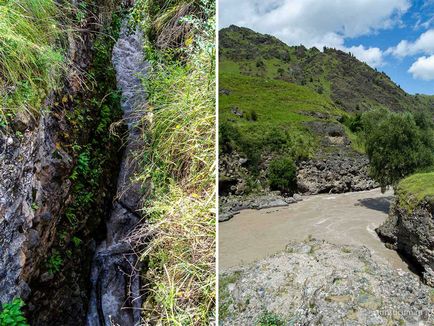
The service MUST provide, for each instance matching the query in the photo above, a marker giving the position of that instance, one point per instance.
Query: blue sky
(394, 36)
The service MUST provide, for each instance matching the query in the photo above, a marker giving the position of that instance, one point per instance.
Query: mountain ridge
(352, 84)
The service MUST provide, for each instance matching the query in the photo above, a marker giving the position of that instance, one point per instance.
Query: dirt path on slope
(343, 219)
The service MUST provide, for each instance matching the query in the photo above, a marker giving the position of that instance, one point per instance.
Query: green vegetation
(292, 87)
(12, 315)
(179, 160)
(397, 144)
(277, 125)
(29, 60)
(351, 84)
(282, 175)
(270, 319)
(225, 299)
(54, 262)
(95, 149)
(416, 188)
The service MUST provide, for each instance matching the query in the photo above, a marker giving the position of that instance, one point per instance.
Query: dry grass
(178, 239)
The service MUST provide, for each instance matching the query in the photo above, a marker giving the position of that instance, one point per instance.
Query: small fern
(12, 315)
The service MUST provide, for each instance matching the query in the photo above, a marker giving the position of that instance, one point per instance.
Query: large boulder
(318, 283)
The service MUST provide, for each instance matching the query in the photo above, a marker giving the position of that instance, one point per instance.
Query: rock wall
(411, 232)
(35, 165)
(335, 172)
(34, 188)
(335, 167)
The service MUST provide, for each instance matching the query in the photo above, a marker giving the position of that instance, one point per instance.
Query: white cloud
(424, 44)
(372, 56)
(423, 68)
(316, 22)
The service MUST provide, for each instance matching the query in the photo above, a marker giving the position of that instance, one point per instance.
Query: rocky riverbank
(229, 206)
(318, 283)
(409, 229)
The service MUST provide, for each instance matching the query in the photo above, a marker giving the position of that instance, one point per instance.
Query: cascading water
(115, 293)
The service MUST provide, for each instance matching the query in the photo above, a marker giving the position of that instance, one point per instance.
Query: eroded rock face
(34, 188)
(412, 233)
(318, 283)
(335, 172)
(336, 167)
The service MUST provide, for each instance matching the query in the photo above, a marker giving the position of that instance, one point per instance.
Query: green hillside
(278, 101)
(351, 84)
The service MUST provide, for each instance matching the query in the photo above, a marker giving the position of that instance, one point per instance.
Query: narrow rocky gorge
(67, 199)
(115, 296)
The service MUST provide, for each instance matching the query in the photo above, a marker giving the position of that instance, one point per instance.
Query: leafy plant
(12, 315)
(76, 241)
(282, 174)
(54, 262)
(269, 319)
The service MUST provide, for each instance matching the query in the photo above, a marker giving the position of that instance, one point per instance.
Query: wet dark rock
(115, 294)
(33, 172)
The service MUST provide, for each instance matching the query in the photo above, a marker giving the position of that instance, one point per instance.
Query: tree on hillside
(397, 145)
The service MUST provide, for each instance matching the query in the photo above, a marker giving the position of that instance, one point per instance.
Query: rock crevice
(115, 295)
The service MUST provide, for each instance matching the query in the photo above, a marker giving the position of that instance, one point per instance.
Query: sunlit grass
(29, 60)
(416, 188)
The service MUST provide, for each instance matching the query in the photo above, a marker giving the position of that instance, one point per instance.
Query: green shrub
(270, 319)
(354, 123)
(282, 174)
(228, 136)
(12, 315)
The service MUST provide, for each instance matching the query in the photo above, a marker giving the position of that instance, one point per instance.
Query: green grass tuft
(29, 60)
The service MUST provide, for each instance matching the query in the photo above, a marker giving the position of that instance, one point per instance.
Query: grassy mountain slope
(351, 84)
(278, 100)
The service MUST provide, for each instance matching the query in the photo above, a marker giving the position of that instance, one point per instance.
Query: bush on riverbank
(282, 174)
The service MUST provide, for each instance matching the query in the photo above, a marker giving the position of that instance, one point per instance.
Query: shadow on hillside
(379, 204)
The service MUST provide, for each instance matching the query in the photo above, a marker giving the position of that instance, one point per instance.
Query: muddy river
(349, 218)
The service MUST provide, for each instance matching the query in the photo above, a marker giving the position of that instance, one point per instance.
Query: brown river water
(343, 219)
